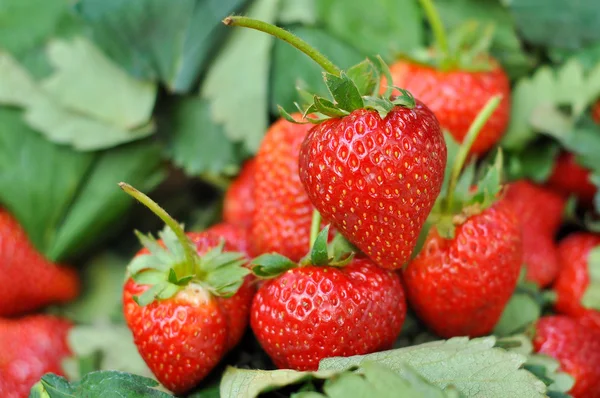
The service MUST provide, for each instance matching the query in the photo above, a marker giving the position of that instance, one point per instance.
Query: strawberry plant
(349, 199)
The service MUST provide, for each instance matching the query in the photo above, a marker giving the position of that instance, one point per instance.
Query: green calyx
(358, 87)
(172, 264)
(463, 194)
(591, 296)
(465, 48)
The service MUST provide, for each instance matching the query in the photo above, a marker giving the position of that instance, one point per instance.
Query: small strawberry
(29, 281)
(578, 283)
(283, 211)
(540, 214)
(238, 205)
(455, 82)
(469, 265)
(185, 301)
(29, 348)
(576, 348)
(313, 310)
(570, 178)
(373, 165)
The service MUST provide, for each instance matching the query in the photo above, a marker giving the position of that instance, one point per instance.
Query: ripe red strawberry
(575, 282)
(576, 348)
(455, 96)
(314, 312)
(376, 179)
(540, 214)
(238, 205)
(185, 301)
(283, 212)
(28, 280)
(236, 236)
(29, 348)
(570, 178)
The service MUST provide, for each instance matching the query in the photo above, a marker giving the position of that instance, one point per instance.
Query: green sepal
(490, 185)
(344, 92)
(271, 265)
(591, 296)
(162, 290)
(222, 272)
(318, 252)
(325, 107)
(149, 277)
(365, 76)
(285, 114)
(179, 281)
(340, 249)
(382, 106)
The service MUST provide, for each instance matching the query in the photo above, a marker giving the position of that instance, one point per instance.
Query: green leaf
(490, 185)
(549, 369)
(112, 343)
(291, 68)
(546, 22)
(271, 265)
(174, 50)
(473, 367)
(195, 142)
(591, 296)
(535, 162)
(520, 312)
(103, 383)
(79, 203)
(365, 76)
(251, 383)
(318, 252)
(374, 29)
(344, 92)
(236, 84)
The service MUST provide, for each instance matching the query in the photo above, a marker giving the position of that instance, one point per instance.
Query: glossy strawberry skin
(540, 214)
(311, 313)
(573, 278)
(457, 96)
(29, 348)
(376, 179)
(238, 204)
(569, 178)
(576, 348)
(184, 337)
(28, 280)
(460, 286)
(283, 211)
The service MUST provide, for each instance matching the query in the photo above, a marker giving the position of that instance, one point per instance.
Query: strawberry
(236, 236)
(540, 214)
(312, 311)
(238, 204)
(29, 348)
(372, 166)
(455, 82)
(29, 281)
(576, 348)
(283, 212)
(462, 279)
(570, 178)
(185, 301)
(577, 285)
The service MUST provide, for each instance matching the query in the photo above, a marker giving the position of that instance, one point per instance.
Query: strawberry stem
(315, 227)
(482, 117)
(170, 221)
(284, 35)
(437, 26)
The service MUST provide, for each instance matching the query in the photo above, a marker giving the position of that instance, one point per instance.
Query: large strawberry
(29, 348)
(374, 164)
(576, 347)
(185, 301)
(570, 178)
(455, 82)
(283, 212)
(313, 310)
(540, 214)
(578, 283)
(238, 204)
(29, 281)
(468, 268)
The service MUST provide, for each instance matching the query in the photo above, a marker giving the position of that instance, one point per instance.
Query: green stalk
(315, 227)
(437, 26)
(482, 117)
(170, 221)
(284, 35)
